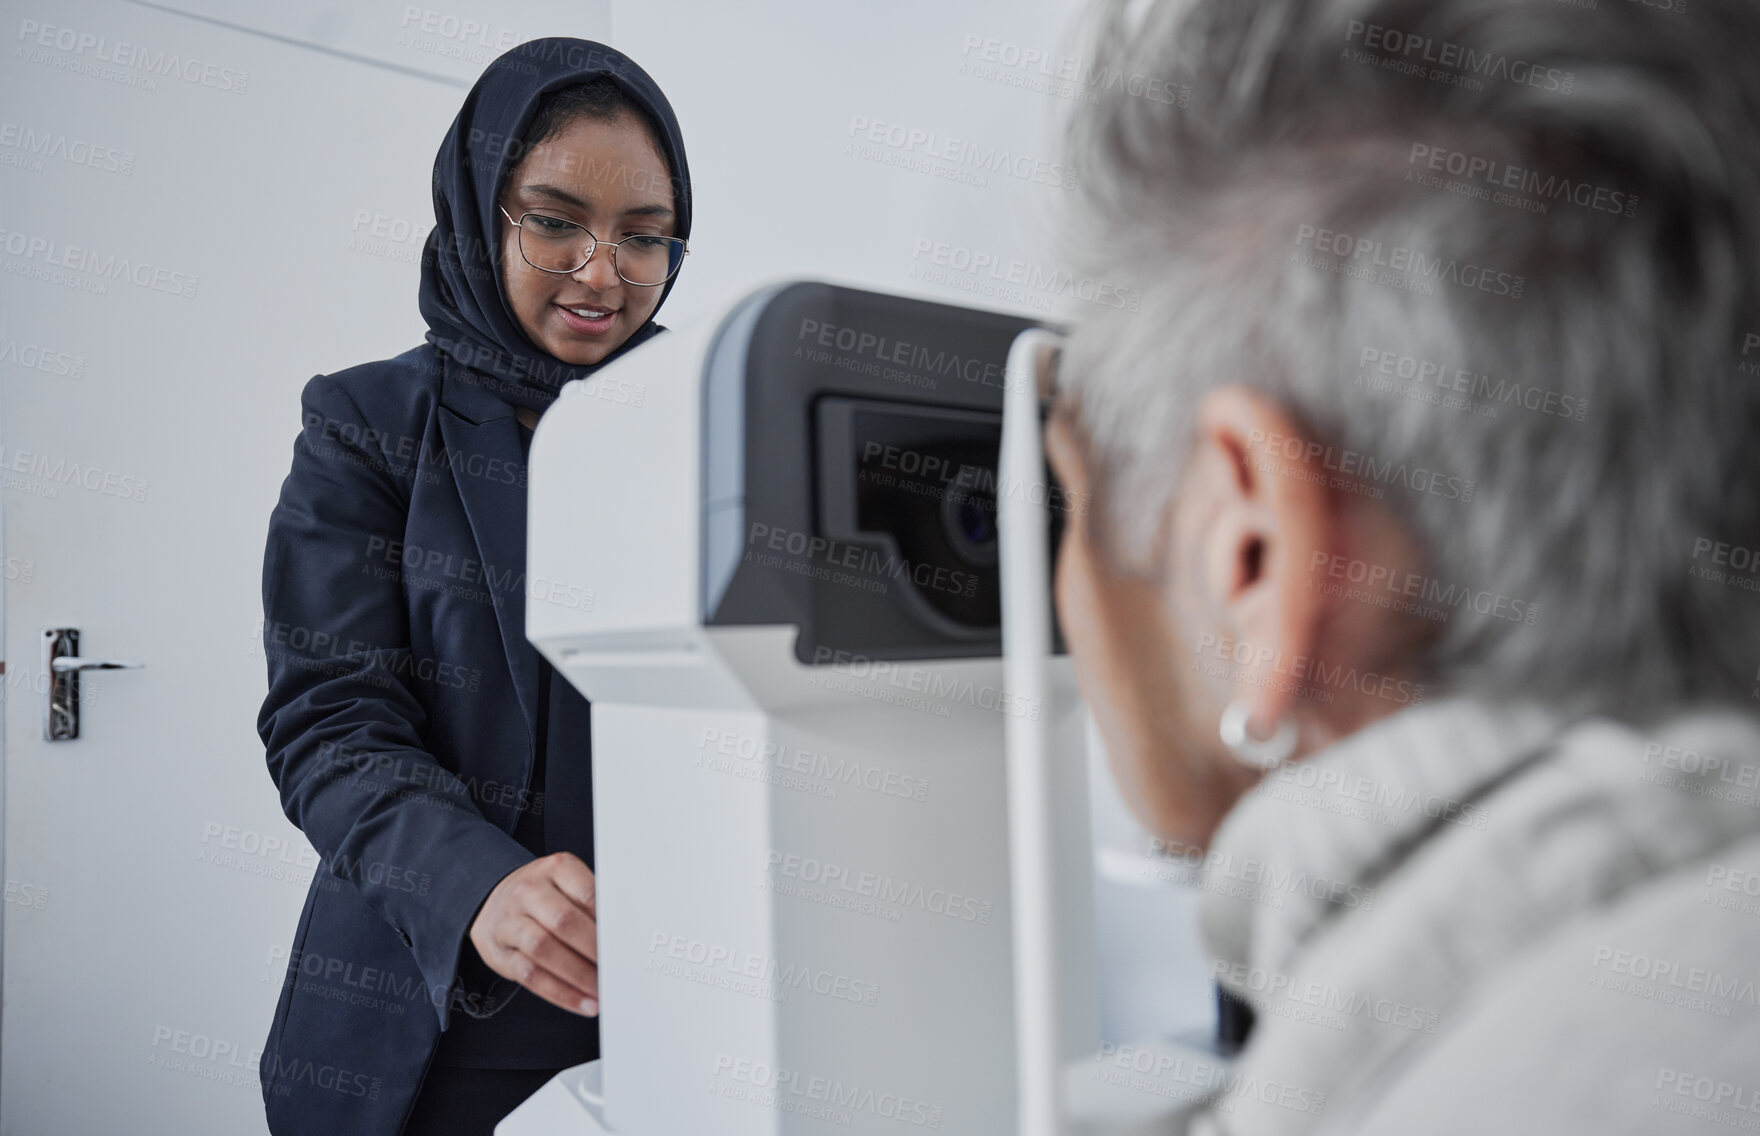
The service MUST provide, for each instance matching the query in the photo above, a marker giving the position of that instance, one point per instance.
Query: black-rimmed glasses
(551, 244)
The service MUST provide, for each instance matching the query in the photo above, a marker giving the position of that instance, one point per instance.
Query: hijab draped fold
(462, 296)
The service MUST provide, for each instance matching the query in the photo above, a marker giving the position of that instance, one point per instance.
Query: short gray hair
(1610, 442)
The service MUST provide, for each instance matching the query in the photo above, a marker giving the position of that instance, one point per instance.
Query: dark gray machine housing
(850, 444)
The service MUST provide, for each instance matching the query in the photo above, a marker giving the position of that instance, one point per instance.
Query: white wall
(778, 99)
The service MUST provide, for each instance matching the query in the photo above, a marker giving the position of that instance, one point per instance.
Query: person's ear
(1266, 516)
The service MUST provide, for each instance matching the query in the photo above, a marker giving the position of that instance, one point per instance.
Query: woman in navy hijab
(444, 965)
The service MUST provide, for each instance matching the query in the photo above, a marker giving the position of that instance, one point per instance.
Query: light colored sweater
(1473, 919)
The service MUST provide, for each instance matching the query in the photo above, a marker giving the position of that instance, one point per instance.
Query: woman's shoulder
(399, 391)
(1648, 999)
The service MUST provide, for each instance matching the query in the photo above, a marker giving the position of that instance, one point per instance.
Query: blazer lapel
(482, 434)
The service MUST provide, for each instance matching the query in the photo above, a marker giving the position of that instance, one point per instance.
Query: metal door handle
(75, 663)
(63, 662)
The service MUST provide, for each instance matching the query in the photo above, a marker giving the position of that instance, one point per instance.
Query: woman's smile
(589, 320)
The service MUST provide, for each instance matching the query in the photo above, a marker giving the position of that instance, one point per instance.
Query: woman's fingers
(559, 993)
(538, 928)
(568, 922)
(574, 879)
(559, 957)
(535, 958)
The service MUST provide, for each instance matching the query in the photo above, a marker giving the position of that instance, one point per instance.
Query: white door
(197, 214)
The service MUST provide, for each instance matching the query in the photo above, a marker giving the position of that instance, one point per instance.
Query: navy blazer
(400, 724)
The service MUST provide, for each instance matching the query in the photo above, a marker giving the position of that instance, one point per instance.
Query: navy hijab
(462, 297)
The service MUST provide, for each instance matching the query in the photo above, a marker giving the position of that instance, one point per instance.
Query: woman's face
(607, 176)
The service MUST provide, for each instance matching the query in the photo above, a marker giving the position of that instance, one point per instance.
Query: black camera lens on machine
(968, 522)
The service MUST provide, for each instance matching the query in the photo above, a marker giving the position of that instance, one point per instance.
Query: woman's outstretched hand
(540, 928)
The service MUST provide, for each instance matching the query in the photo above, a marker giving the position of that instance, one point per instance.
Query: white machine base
(571, 1102)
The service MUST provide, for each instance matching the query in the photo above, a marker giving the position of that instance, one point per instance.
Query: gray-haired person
(1419, 596)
